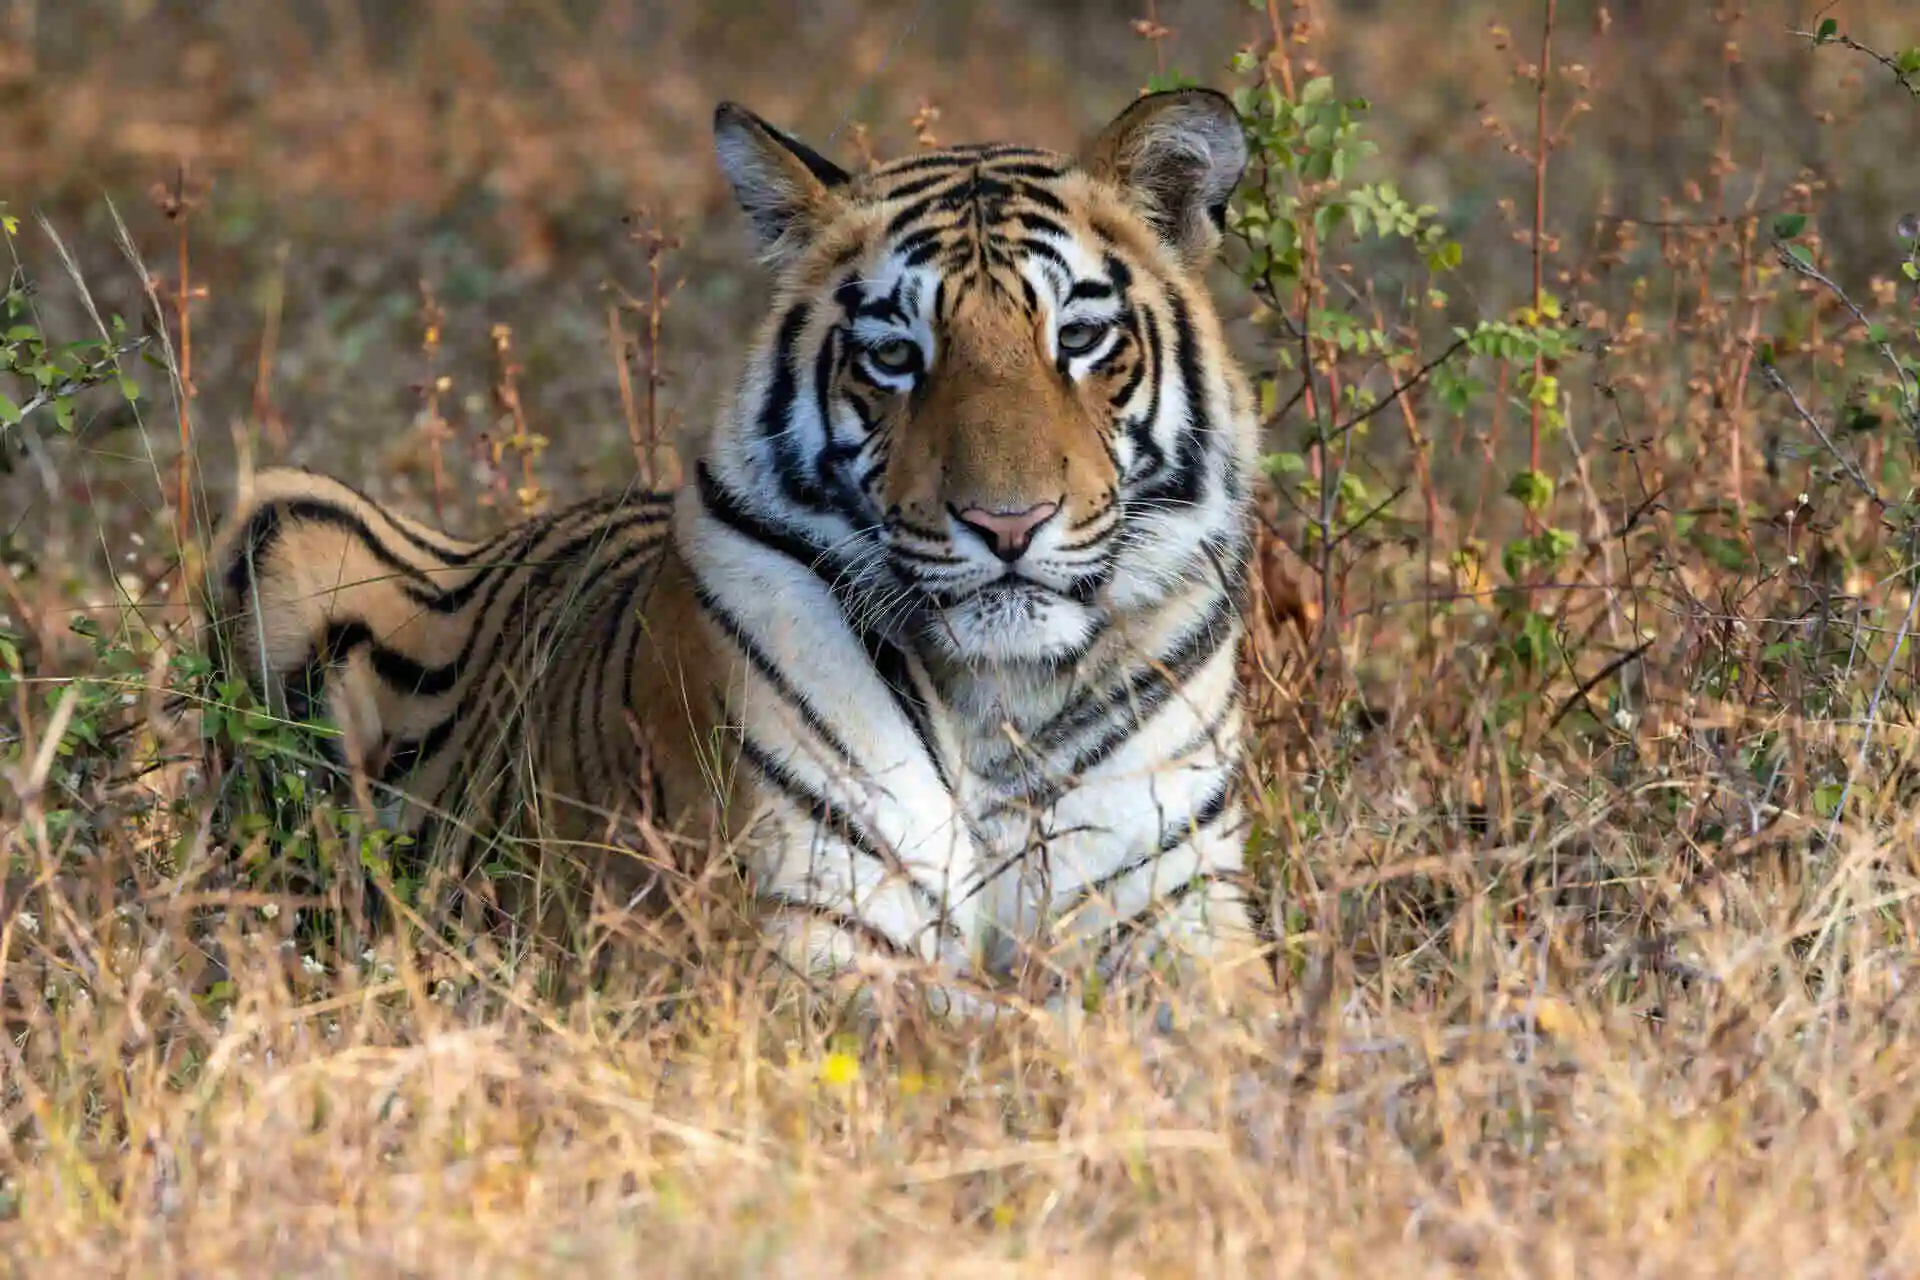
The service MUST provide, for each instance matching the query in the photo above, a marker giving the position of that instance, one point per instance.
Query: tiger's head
(993, 392)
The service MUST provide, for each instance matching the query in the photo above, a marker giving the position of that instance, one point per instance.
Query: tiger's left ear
(784, 185)
(1177, 156)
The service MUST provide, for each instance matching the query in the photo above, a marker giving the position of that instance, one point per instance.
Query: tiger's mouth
(1013, 589)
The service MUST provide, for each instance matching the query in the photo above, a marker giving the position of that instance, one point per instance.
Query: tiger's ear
(1177, 156)
(783, 185)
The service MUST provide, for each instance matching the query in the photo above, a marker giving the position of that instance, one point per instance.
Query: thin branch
(1593, 682)
(1905, 79)
(1909, 387)
(1413, 380)
(1848, 465)
(95, 374)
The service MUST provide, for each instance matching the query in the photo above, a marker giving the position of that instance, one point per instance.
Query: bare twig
(1847, 464)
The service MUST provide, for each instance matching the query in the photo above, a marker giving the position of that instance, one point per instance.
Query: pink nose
(1009, 533)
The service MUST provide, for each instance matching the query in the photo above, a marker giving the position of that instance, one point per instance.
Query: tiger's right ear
(783, 185)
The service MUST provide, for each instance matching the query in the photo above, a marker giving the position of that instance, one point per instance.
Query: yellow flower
(839, 1070)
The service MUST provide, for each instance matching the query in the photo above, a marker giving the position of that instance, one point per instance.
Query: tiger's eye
(896, 355)
(1080, 337)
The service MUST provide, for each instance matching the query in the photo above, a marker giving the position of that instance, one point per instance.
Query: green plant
(49, 378)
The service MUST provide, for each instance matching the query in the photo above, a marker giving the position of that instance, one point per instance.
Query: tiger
(939, 635)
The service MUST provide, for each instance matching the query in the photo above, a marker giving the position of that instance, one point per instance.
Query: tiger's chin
(1011, 622)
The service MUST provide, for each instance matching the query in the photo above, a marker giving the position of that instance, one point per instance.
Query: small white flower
(1792, 560)
(1805, 501)
(29, 922)
(1623, 719)
(270, 911)
(312, 965)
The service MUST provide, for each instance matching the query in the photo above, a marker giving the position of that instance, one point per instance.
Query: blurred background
(533, 163)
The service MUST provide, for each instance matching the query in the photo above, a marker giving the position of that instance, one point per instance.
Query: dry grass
(1596, 965)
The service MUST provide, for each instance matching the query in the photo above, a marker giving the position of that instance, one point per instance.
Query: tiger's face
(993, 390)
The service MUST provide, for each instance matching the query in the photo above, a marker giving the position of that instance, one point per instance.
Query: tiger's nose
(1008, 533)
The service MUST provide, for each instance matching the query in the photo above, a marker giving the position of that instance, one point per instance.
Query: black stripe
(1141, 429)
(1126, 932)
(908, 190)
(888, 660)
(1036, 195)
(432, 681)
(1039, 224)
(268, 524)
(725, 506)
(1046, 253)
(1124, 393)
(1203, 818)
(895, 670)
(613, 516)
(1037, 172)
(1182, 486)
(926, 247)
(914, 211)
(1120, 712)
(776, 423)
(954, 160)
(771, 673)
(593, 661)
(416, 753)
(830, 817)
(864, 930)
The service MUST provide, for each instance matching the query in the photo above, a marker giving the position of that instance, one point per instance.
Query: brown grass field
(1586, 701)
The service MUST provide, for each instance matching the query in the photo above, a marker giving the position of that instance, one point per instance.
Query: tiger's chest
(1068, 782)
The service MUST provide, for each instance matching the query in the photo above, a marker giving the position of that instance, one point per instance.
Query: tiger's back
(483, 689)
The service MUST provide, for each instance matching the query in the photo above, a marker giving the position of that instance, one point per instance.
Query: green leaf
(1318, 89)
(1789, 225)
(1828, 26)
(9, 411)
(1284, 464)
(1908, 60)
(1532, 489)
(1326, 219)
